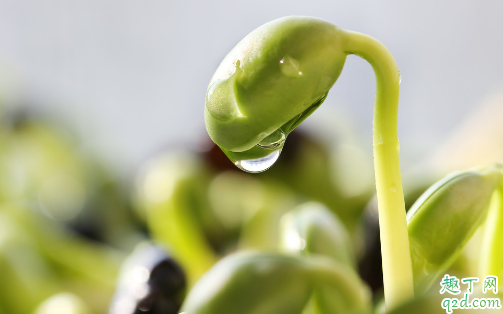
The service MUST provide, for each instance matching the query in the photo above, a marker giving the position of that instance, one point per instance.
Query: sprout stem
(397, 267)
(491, 261)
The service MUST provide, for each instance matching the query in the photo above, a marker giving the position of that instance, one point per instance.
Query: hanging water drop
(260, 157)
(263, 155)
(274, 141)
(399, 77)
(259, 164)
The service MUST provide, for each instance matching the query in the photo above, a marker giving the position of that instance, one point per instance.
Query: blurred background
(105, 164)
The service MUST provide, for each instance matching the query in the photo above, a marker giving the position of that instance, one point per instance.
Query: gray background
(131, 75)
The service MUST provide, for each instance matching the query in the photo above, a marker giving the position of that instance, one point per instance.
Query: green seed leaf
(313, 229)
(268, 283)
(444, 218)
(273, 79)
(251, 283)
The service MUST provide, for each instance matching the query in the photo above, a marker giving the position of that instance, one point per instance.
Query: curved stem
(491, 261)
(397, 268)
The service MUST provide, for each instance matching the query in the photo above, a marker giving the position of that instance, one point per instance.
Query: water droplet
(399, 77)
(263, 155)
(274, 141)
(393, 189)
(290, 67)
(258, 164)
(260, 157)
(378, 140)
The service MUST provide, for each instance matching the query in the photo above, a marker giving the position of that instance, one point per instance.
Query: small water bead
(260, 164)
(274, 141)
(260, 157)
(290, 67)
(399, 77)
(263, 155)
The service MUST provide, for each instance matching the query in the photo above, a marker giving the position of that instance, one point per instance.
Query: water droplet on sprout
(399, 77)
(290, 67)
(262, 156)
(274, 141)
(393, 189)
(259, 164)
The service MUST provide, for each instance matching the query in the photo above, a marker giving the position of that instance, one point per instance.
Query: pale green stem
(396, 260)
(491, 261)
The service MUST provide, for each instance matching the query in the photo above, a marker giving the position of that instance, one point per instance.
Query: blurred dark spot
(166, 289)
(87, 229)
(217, 160)
(370, 265)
